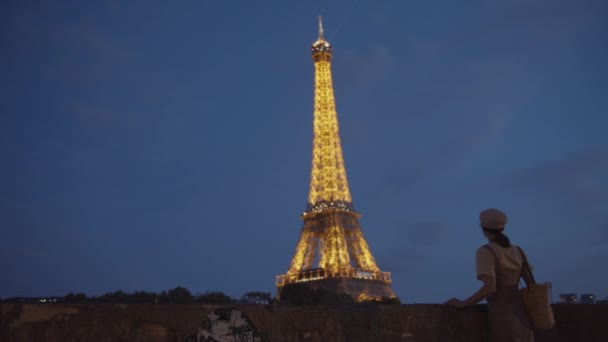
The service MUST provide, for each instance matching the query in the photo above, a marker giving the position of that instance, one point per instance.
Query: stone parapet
(364, 322)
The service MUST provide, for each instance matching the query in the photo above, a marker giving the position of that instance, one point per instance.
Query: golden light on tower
(332, 251)
(328, 177)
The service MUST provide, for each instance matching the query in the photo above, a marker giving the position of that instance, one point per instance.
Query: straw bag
(536, 299)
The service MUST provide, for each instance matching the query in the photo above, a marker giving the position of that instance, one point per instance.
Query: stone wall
(153, 322)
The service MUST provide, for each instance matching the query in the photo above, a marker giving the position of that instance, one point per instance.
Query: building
(588, 298)
(332, 252)
(568, 298)
(252, 299)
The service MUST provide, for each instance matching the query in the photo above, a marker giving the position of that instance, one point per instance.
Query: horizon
(553, 299)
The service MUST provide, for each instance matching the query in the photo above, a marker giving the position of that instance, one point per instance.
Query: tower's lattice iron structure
(332, 252)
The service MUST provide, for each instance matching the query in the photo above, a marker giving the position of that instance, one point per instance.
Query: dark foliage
(180, 295)
(162, 297)
(300, 294)
(75, 298)
(258, 294)
(213, 298)
(114, 297)
(143, 297)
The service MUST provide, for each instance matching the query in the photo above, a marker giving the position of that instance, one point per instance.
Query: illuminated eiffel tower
(332, 252)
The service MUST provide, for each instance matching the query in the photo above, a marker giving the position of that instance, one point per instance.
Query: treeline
(178, 295)
(296, 294)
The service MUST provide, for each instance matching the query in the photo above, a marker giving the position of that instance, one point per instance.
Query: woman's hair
(499, 237)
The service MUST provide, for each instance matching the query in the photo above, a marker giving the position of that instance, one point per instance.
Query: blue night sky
(150, 144)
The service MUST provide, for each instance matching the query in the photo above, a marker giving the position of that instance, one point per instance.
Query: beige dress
(507, 319)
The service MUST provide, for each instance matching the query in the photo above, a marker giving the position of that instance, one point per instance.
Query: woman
(499, 267)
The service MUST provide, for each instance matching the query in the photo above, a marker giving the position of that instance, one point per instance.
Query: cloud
(575, 184)
(76, 50)
(407, 239)
(21, 252)
(477, 87)
(599, 237)
(422, 232)
(444, 155)
(38, 24)
(550, 17)
(573, 166)
(89, 116)
(467, 109)
(400, 260)
(98, 56)
(580, 175)
(515, 27)
(583, 273)
(358, 68)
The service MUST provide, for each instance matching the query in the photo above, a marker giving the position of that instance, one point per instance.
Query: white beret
(493, 219)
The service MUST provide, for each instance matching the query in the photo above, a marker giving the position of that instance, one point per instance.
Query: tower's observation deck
(332, 251)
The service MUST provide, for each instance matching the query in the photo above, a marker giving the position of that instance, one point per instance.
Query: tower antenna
(321, 28)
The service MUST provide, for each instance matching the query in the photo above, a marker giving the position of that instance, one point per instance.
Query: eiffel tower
(332, 252)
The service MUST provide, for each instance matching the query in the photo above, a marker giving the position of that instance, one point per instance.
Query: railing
(318, 274)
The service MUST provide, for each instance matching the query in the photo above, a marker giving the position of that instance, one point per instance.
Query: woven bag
(536, 299)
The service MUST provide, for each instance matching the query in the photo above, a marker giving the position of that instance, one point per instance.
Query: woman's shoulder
(485, 251)
(498, 250)
(484, 247)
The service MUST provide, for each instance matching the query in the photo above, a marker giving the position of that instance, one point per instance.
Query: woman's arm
(488, 288)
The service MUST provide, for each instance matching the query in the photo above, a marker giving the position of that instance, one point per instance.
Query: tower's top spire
(321, 48)
(321, 28)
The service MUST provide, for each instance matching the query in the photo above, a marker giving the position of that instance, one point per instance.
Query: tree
(258, 294)
(143, 297)
(163, 297)
(180, 295)
(214, 298)
(114, 297)
(76, 298)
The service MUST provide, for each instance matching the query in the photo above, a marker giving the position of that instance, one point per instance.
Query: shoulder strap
(493, 254)
(526, 266)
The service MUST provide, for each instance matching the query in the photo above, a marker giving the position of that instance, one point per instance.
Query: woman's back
(508, 321)
(504, 264)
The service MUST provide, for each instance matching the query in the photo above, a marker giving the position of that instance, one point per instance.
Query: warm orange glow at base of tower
(363, 278)
(333, 253)
(312, 275)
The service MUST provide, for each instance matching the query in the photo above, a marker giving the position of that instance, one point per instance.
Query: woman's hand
(488, 289)
(455, 302)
